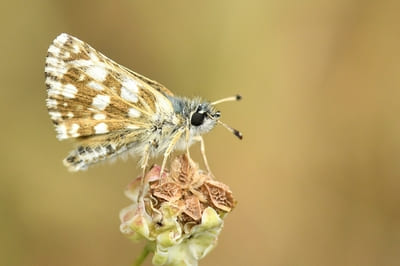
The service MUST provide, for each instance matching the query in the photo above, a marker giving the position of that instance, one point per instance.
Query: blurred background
(316, 176)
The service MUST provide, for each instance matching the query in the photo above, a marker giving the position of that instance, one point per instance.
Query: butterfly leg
(203, 153)
(187, 144)
(143, 165)
(169, 149)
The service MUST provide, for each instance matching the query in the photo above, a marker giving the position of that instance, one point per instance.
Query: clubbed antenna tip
(231, 129)
(237, 134)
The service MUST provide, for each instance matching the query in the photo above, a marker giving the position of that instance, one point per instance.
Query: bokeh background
(317, 176)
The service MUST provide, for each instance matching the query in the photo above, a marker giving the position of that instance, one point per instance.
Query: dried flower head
(181, 214)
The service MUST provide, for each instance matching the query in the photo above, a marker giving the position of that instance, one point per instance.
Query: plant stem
(146, 250)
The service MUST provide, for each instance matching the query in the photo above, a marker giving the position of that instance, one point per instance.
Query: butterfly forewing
(88, 90)
(96, 101)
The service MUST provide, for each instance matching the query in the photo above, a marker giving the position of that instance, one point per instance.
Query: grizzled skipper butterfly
(110, 110)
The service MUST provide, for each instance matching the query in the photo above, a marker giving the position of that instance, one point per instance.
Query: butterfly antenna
(228, 99)
(231, 129)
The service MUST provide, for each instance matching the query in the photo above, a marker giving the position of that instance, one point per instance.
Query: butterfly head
(203, 118)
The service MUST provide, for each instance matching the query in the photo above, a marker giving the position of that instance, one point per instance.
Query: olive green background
(317, 175)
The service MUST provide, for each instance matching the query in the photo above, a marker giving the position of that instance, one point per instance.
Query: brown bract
(188, 189)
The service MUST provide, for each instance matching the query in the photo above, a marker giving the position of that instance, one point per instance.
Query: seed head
(181, 214)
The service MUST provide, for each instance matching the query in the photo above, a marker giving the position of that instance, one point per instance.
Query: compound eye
(197, 119)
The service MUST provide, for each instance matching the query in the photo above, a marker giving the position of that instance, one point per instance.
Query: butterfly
(109, 110)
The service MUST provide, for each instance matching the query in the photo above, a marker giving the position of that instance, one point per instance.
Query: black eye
(197, 119)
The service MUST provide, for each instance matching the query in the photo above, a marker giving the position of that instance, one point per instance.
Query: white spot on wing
(82, 63)
(52, 60)
(55, 115)
(62, 38)
(132, 127)
(93, 57)
(55, 71)
(54, 50)
(70, 115)
(133, 112)
(69, 91)
(129, 95)
(101, 101)
(130, 84)
(95, 85)
(76, 48)
(101, 128)
(99, 116)
(61, 132)
(98, 73)
(54, 87)
(51, 103)
(74, 130)
(54, 67)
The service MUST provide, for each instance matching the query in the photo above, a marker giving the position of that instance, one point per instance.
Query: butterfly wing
(154, 84)
(96, 101)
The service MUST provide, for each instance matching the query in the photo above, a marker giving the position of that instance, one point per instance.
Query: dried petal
(220, 195)
(193, 208)
(168, 191)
